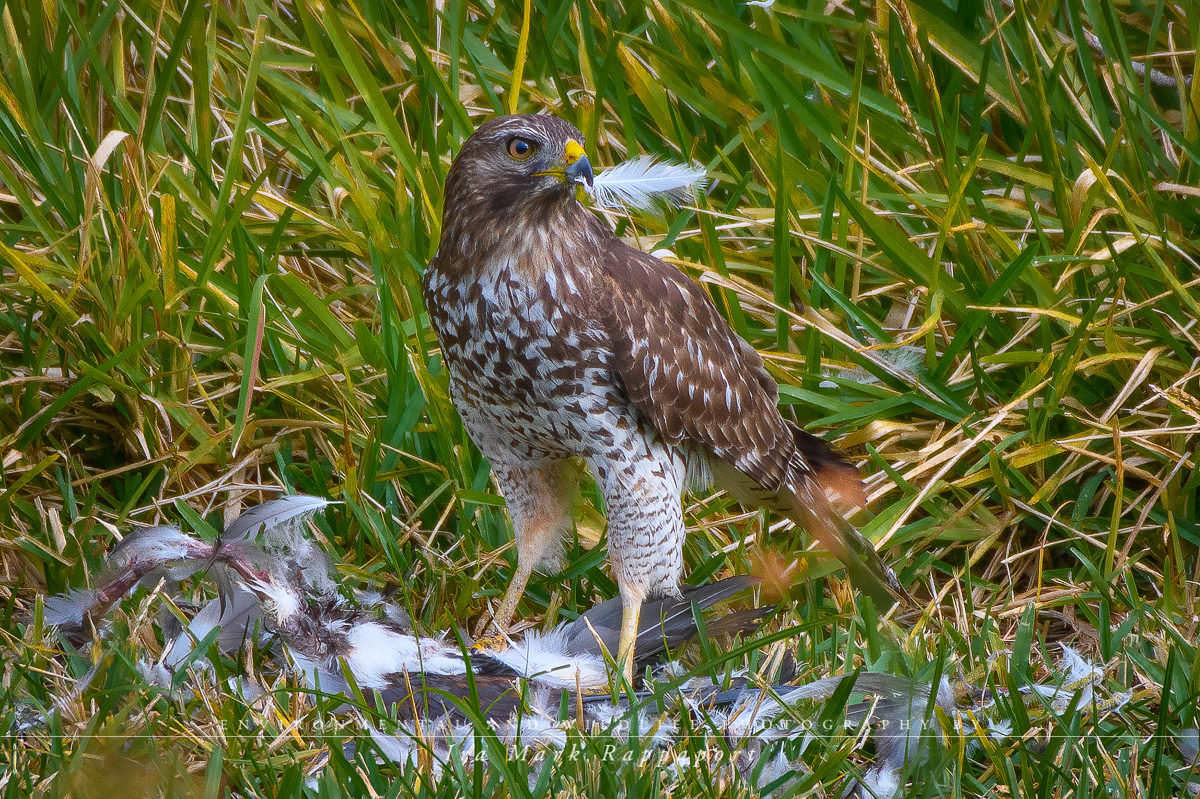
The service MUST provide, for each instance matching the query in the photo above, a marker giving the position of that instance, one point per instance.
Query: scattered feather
(237, 613)
(1189, 745)
(277, 520)
(77, 612)
(164, 551)
(1079, 678)
(647, 183)
(163, 544)
(906, 362)
(68, 611)
(280, 528)
(1000, 730)
(325, 638)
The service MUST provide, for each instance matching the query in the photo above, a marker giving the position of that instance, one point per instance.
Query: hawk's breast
(531, 370)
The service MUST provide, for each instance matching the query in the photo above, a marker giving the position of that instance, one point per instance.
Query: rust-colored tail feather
(840, 480)
(864, 568)
(833, 483)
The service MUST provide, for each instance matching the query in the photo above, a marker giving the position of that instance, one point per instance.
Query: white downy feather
(645, 182)
(542, 657)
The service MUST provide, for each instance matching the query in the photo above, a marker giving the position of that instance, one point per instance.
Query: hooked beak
(579, 168)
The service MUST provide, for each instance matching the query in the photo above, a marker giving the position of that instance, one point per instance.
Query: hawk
(565, 344)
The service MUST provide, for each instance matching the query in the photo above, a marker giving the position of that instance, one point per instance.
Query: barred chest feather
(531, 371)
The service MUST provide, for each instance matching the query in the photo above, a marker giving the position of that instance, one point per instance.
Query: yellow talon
(494, 641)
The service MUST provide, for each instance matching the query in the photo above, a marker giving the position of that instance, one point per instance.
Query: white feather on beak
(645, 182)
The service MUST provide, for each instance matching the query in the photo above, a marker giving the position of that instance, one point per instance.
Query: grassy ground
(964, 237)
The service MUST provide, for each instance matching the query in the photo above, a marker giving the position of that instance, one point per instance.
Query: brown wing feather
(694, 378)
(687, 371)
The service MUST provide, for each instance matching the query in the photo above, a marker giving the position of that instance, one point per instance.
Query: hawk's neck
(530, 238)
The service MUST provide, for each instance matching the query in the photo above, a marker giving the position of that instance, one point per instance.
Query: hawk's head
(515, 168)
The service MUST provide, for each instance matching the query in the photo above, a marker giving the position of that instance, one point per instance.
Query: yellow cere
(574, 151)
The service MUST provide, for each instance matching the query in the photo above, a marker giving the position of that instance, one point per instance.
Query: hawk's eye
(521, 149)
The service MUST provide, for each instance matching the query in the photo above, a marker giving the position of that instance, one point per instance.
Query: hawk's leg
(631, 612)
(501, 620)
(641, 482)
(540, 500)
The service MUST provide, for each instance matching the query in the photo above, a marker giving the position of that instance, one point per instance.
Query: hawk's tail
(818, 484)
(828, 483)
(840, 480)
(864, 567)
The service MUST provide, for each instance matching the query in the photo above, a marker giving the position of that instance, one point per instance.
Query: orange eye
(521, 149)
